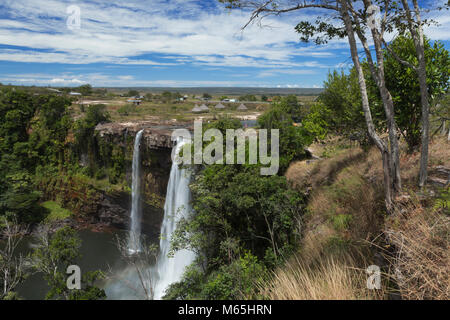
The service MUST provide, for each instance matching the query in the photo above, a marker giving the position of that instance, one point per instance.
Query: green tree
(84, 130)
(166, 96)
(133, 93)
(233, 281)
(19, 199)
(237, 211)
(207, 96)
(403, 83)
(247, 97)
(17, 108)
(293, 140)
(53, 254)
(13, 265)
(148, 97)
(85, 89)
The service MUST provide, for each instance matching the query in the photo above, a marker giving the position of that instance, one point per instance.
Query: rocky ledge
(155, 136)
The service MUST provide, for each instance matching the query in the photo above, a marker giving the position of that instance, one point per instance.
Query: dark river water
(98, 251)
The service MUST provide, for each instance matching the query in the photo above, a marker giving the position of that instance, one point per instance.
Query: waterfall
(135, 226)
(178, 196)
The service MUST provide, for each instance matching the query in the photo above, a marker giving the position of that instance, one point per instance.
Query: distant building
(204, 107)
(136, 102)
(232, 100)
(242, 107)
(196, 109)
(72, 93)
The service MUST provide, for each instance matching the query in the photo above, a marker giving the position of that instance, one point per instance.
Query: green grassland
(157, 109)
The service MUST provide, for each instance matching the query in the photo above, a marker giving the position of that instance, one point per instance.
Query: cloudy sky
(161, 43)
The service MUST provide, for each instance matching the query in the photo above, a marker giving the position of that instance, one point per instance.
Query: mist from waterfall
(134, 244)
(169, 270)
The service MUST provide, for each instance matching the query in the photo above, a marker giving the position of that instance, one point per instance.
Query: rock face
(156, 148)
(155, 136)
(113, 210)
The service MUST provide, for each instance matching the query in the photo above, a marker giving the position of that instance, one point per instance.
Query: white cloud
(105, 80)
(274, 72)
(114, 32)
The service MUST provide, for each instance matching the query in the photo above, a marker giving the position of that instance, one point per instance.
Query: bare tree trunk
(385, 153)
(425, 112)
(388, 103)
(12, 265)
(417, 35)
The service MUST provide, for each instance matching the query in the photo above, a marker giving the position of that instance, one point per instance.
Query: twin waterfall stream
(166, 270)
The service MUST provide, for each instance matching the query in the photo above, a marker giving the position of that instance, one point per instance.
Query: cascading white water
(135, 225)
(178, 196)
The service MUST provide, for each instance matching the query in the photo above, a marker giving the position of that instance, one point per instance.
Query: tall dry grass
(351, 184)
(421, 263)
(329, 278)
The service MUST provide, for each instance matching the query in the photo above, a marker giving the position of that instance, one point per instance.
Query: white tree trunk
(418, 38)
(385, 153)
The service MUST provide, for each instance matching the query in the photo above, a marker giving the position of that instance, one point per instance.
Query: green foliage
(132, 93)
(33, 131)
(235, 202)
(443, 201)
(17, 108)
(293, 140)
(19, 199)
(13, 264)
(53, 255)
(340, 111)
(248, 97)
(51, 129)
(148, 96)
(321, 32)
(56, 212)
(127, 109)
(233, 281)
(224, 123)
(85, 141)
(341, 222)
(85, 89)
(317, 122)
(403, 83)
(166, 96)
(242, 222)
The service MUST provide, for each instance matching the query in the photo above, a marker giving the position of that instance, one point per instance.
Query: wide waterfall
(169, 270)
(135, 225)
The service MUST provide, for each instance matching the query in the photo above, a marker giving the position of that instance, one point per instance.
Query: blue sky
(162, 43)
